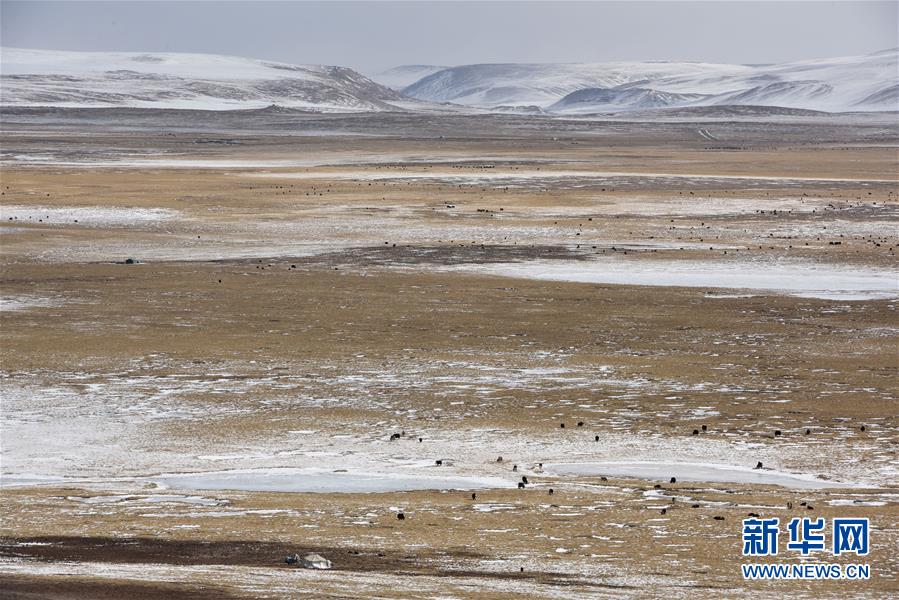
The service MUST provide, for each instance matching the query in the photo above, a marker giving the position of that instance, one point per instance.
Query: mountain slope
(886, 99)
(836, 84)
(543, 84)
(850, 83)
(204, 81)
(621, 98)
(400, 77)
(174, 80)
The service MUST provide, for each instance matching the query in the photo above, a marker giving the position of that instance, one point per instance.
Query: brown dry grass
(353, 309)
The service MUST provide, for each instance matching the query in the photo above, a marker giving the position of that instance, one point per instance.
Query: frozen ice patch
(663, 471)
(317, 481)
(138, 499)
(792, 278)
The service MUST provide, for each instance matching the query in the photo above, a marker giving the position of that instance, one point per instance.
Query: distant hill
(856, 83)
(214, 82)
(399, 77)
(174, 80)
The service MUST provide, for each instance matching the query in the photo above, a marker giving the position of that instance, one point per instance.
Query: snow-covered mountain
(624, 97)
(400, 77)
(544, 84)
(214, 82)
(866, 82)
(170, 80)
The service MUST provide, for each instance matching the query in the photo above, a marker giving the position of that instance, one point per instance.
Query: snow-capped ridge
(50, 78)
(176, 80)
(853, 83)
(619, 98)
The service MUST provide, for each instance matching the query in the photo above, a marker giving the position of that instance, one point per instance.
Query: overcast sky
(372, 36)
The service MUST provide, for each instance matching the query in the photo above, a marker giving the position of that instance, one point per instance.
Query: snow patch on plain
(706, 472)
(87, 216)
(319, 481)
(790, 278)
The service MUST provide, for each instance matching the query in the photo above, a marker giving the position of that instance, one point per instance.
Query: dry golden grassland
(297, 315)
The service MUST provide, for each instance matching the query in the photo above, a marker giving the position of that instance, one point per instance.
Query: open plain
(596, 305)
